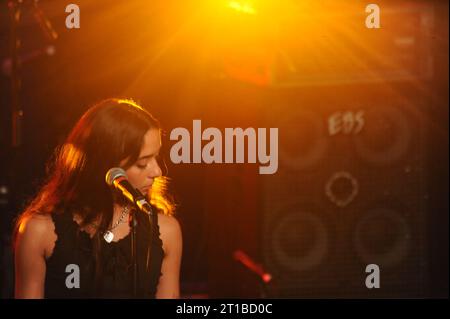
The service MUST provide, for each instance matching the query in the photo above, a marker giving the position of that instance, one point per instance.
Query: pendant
(108, 236)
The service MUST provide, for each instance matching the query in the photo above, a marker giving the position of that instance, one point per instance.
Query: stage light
(242, 7)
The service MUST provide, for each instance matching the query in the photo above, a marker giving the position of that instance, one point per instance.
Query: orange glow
(23, 224)
(130, 102)
(266, 43)
(72, 156)
(157, 199)
(242, 7)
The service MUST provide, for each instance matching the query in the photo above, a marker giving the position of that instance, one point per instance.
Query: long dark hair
(108, 133)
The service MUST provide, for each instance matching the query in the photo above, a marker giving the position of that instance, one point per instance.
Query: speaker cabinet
(350, 192)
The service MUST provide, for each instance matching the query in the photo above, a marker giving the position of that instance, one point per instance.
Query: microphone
(117, 178)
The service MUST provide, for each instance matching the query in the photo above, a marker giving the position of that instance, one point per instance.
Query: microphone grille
(114, 173)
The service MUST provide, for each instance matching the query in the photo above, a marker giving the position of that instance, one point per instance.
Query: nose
(155, 170)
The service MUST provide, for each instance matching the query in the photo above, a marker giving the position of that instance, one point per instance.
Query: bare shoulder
(170, 230)
(34, 240)
(37, 231)
(37, 224)
(169, 282)
(168, 225)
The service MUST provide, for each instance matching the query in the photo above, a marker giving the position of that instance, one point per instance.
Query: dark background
(136, 49)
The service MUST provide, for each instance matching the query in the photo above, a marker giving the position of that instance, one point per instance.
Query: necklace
(109, 235)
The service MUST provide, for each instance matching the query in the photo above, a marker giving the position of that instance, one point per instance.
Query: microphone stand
(15, 12)
(132, 220)
(264, 278)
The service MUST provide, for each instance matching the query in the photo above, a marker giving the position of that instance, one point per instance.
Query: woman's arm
(169, 282)
(31, 249)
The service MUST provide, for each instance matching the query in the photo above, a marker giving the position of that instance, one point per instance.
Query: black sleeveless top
(73, 255)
